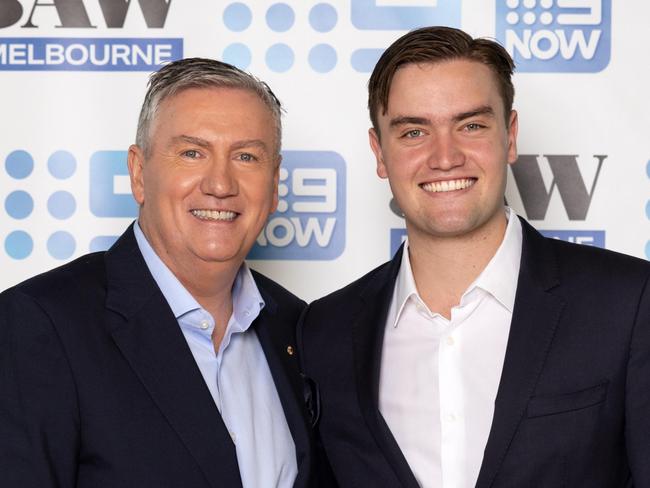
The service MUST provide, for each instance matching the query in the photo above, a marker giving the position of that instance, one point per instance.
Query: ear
(135, 161)
(276, 181)
(375, 145)
(513, 127)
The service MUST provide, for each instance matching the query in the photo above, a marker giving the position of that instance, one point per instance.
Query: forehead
(446, 85)
(226, 110)
(215, 99)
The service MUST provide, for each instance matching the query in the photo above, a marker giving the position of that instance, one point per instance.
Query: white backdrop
(73, 76)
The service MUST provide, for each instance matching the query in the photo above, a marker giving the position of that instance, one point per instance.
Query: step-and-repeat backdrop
(73, 74)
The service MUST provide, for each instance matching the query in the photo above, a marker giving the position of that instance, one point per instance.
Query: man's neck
(444, 267)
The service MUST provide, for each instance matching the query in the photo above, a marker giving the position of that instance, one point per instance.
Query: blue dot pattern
(19, 164)
(61, 205)
(19, 244)
(322, 58)
(323, 17)
(62, 165)
(237, 17)
(280, 17)
(61, 245)
(19, 204)
(279, 58)
(238, 55)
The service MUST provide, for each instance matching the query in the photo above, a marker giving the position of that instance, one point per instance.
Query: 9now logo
(556, 35)
(310, 220)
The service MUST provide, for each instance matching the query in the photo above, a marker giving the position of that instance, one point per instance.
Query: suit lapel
(147, 334)
(368, 336)
(534, 320)
(275, 337)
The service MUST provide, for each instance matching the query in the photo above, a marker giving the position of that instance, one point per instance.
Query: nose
(219, 180)
(446, 153)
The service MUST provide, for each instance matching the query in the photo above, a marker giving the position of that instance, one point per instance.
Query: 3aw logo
(310, 220)
(84, 53)
(567, 179)
(556, 35)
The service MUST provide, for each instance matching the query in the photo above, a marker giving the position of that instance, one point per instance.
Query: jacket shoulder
(601, 263)
(377, 277)
(67, 283)
(282, 297)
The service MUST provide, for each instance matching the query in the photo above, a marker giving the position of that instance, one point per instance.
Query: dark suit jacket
(573, 403)
(98, 387)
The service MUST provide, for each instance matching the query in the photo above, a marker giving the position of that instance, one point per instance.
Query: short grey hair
(199, 73)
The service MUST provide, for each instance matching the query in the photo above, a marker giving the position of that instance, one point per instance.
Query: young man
(166, 362)
(483, 354)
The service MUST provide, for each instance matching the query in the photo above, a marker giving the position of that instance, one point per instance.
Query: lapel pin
(290, 350)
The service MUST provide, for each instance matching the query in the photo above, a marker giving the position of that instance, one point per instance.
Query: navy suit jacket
(98, 387)
(573, 403)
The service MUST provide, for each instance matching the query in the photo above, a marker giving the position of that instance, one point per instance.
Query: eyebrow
(192, 140)
(205, 144)
(484, 110)
(405, 119)
(248, 143)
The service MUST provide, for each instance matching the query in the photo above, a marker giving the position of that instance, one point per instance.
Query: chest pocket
(540, 406)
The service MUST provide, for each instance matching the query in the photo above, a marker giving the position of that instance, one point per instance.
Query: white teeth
(448, 185)
(214, 214)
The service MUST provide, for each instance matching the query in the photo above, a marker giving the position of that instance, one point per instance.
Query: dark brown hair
(432, 45)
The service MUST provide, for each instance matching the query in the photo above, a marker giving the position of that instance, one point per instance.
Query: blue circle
(647, 169)
(647, 209)
(19, 204)
(61, 205)
(323, 17)
(237, 17)
(279, 57)
(647, 250)
(322, 58)
(62, 165)
(280, 17)
(238, 55)
(19, 164)
(19, 244)
(61, 245)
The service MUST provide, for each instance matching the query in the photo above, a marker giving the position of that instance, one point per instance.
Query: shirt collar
(246, 299)
(499, 278)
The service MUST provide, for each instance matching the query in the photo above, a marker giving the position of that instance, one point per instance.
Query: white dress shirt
(439, 378)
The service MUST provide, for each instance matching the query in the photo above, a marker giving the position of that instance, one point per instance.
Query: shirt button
(232, 436)
(450, 341)
(247, 313)
(204, 324)
(451, 417)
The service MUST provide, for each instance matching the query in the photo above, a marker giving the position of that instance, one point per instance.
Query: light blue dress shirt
(238, 376)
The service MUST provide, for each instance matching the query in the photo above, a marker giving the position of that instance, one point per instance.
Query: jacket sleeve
(39, 421)
(637, 392)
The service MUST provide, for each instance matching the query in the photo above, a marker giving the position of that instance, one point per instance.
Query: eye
(474, 126)
(191, 154)
(413, 133)
(247, 157)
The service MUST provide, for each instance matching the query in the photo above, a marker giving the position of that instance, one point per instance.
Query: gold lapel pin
(290, 350)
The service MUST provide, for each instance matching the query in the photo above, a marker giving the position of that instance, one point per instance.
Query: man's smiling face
(210, 179)
(444, 147)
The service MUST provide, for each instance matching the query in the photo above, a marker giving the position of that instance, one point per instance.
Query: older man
(166, 361)
(483, 354)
